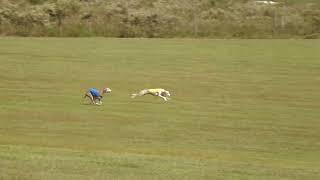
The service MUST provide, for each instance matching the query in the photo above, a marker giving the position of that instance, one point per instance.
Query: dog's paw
(98, 103)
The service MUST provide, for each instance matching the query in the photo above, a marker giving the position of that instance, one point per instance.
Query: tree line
(158, 19)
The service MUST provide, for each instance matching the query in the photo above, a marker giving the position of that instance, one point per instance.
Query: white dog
(267, 2)
(164, 94)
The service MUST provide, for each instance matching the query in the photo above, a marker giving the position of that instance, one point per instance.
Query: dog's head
(166, 94)
(107, 90)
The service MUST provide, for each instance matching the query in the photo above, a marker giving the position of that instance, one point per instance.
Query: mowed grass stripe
(241, 109)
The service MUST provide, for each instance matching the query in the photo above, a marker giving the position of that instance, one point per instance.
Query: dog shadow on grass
(140, 101)
(87, 104)
(146, 102)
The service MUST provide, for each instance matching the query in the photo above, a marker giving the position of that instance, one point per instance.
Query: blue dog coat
(95, 92)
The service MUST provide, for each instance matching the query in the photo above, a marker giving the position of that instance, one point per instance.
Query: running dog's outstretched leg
(98, 101)
(163, 97)
(89, 95)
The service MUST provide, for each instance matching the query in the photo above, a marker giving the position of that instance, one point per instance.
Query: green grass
(240, 109)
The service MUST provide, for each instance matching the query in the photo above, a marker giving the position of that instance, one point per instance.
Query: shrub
(158, 18)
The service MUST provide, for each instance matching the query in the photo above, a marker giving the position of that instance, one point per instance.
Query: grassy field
(240, 109)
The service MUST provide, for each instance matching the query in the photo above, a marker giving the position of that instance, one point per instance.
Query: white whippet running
(164, 94)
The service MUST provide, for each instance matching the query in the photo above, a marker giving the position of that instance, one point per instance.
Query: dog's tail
(133, 95)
